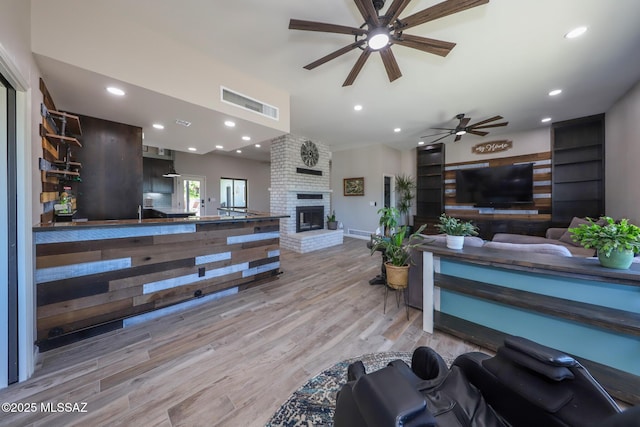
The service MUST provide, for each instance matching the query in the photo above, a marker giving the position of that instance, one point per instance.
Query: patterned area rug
(313, 403)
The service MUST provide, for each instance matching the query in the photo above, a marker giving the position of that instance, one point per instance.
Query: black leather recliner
(524, 385)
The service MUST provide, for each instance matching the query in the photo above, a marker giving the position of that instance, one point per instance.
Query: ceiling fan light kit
(380, 32)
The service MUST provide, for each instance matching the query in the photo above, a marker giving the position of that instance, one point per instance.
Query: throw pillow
(575, 222)
(539, 248)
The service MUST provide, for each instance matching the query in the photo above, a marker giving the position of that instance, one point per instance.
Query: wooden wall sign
(492, 147)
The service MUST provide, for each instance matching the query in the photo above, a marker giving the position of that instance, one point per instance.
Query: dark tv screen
(495, 186)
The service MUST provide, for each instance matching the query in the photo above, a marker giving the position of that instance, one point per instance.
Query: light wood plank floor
(230, 362)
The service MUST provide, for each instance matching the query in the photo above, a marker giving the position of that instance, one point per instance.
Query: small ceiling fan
(464, 127)
(379, 33)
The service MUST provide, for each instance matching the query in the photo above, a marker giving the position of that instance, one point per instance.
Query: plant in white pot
(456, 230)
(616, 242)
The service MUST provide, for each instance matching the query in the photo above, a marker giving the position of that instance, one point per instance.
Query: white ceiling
(509, 55)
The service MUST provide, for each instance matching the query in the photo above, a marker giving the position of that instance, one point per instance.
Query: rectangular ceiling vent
(247, 103)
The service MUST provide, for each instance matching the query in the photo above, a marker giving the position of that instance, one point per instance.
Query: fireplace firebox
(309, 218)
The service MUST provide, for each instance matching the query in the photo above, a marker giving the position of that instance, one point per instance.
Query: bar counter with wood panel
(569, 303)
(93, 276)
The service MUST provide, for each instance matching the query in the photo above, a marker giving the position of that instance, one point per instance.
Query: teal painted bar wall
(622, 297)
(619, 351)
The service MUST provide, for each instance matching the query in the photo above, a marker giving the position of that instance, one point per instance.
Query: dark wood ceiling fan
(464, 127)
(379, 33)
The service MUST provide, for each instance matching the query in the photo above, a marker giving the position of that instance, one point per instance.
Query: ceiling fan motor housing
(378, 4)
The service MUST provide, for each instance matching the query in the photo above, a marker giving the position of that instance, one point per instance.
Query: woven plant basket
(397, 277)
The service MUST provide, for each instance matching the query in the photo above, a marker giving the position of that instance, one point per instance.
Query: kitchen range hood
(172, 172)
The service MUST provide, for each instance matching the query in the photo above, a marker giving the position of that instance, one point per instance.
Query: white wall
(215, 166)
(622, 148)
(372, 163)
(527, 142)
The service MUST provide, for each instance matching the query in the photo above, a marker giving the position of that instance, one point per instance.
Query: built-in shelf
(68, 123)
(53, 138)
(63, 173)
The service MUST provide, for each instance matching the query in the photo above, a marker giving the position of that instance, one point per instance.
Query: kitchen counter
(93, 276)
(248, 216)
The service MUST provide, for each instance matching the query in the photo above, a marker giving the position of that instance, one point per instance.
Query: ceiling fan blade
(463, 122)
(368, 12)
(390, 64)
(458, 138)
(477, 132)
(449, 129)
(491, 119)
(437, 47)
(396, 8)
(334, 55)
(297, 24)
(440, 10)
(436, 140)
(436, 134)
(357, 68)
(495, 125)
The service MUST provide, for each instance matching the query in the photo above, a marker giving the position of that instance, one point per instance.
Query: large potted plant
(616, 242)
(456, 230)
(397, 251)
(405, 186)
(388, 219)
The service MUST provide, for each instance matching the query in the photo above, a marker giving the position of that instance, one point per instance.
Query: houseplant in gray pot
(616, 242)
(456, 230)
(332, 224)
(388, 219)
(405, 187)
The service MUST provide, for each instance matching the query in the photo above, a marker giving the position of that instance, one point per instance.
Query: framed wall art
(354, 186)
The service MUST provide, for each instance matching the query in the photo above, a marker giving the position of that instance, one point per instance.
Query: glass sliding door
(8, 235)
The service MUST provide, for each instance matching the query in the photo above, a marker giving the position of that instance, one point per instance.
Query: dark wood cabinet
(429, 186)
(577, 169)
(153, 181)
(112, 170)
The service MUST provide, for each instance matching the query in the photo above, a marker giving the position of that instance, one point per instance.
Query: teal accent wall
(620, 351)
(622, 297)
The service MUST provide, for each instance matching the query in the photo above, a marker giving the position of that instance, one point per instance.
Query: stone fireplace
(303, 193)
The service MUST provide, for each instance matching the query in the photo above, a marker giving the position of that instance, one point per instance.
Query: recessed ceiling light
(238, 151)
(192, 149)
(420, 142)
(183, 123)
(555, 92)
(115, 91)
(546, 119)
(396, 130)
(219, 147)
(158, 126)
(257, 145)
(357, 107)
(246, 138)
(576, 32)
(229, 123)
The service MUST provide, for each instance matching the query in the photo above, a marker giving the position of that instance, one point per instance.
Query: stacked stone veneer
(286, 184)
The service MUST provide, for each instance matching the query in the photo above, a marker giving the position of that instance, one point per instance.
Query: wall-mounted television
(499, 186)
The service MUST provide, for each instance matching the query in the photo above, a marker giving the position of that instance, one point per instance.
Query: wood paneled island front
(90, 276)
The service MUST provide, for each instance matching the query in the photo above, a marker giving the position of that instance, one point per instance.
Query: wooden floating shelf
(64, 173)
(59, 138)
(61, 163)
(72, 125)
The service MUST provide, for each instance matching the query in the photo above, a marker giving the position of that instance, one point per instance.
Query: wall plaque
(492, 147)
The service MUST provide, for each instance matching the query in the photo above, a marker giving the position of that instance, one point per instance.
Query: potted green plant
(397, 251)
(616, 242)
(456, 230)
(332, 224)
(388, 219)
(405, 186)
